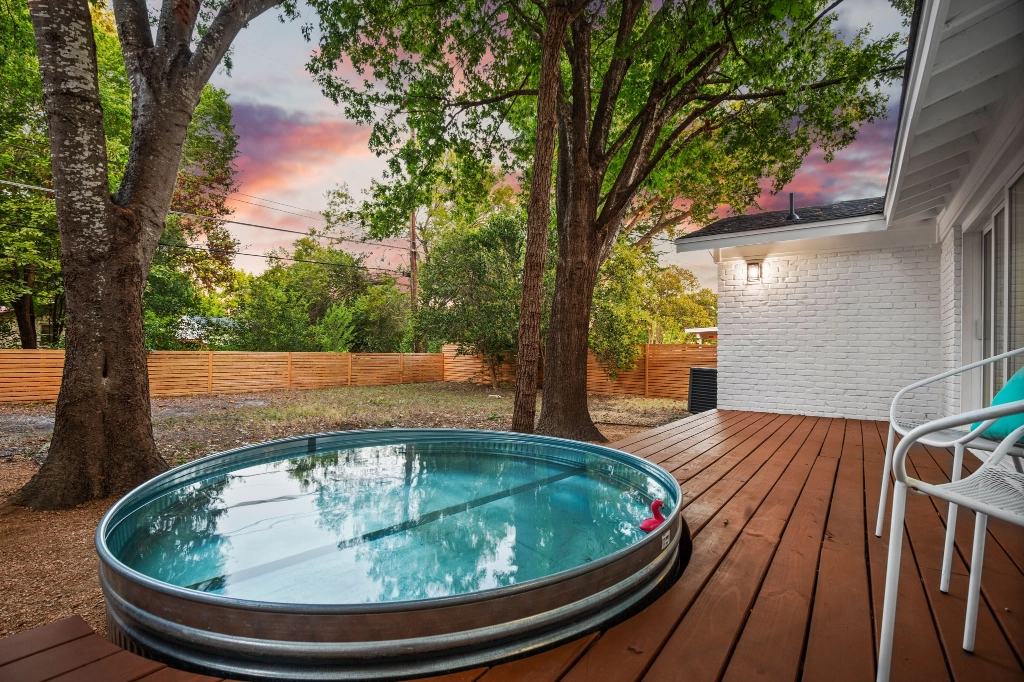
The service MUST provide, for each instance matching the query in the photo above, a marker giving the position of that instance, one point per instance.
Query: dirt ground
(48, 565)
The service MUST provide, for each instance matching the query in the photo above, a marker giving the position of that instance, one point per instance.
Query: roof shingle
(808, 214)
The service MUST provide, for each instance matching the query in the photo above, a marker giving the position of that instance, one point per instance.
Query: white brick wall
(830, 334)
(950, 297)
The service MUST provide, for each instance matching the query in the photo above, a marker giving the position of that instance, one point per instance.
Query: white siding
(950, 298)
(831, 334)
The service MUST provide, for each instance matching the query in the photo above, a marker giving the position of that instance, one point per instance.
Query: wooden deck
(785, 582)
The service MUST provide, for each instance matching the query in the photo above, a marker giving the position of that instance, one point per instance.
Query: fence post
(288, 381)
(349, 354)
(401, 368)
(209, 372)
(647, 365)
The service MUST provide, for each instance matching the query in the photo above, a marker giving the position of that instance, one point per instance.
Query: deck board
(785, 581)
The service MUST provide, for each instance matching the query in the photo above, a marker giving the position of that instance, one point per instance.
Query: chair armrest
(988, 415)
(946, 375)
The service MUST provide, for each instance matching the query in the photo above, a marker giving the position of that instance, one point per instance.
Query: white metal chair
(992, 490)
(958, 439)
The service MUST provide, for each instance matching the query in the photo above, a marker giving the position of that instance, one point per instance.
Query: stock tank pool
(383, 554)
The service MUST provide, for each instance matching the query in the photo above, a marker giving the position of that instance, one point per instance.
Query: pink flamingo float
(650, 524)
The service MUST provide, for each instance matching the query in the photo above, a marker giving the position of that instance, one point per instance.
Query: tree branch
(613, 79)
(231, 18)
(660, 226)
(177, 21)
(821, 15)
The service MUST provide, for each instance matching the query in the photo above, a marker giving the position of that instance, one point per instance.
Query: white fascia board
(920, 235)
(784, 233)
(926, 46)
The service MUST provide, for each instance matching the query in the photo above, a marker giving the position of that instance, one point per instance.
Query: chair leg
(974, 587)
(947, 551)
(892, 579)
(890, 444)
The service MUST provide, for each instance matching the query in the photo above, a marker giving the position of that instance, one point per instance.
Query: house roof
(962, 102)
(771, 219)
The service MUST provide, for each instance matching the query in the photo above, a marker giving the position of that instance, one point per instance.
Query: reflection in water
(384, 523)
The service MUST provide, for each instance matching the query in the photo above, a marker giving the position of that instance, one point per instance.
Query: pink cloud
(279, 148)
(857, 172)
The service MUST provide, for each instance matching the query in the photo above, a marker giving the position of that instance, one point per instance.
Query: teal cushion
(1011, 392)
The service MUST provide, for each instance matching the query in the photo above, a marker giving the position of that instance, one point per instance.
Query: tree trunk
(538, 220)
(103, 437)
(564, 412)
(25, 313)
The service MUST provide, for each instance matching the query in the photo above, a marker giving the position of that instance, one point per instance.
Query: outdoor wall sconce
(754, 271)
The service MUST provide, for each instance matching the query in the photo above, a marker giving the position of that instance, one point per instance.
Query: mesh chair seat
(995, 486)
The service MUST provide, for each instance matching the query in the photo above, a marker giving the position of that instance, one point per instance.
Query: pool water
(384, 523)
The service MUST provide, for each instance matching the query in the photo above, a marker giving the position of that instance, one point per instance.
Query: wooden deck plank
(917, 653)
(123, 666)
(840, 641)
(723, 464)
(549, 665)
(684, 466)
(58, 660)
(172, 675)
(700, 647)
(711, 417)
(694, 442)
(1002, 583)
(39, 639)
(625, 651)
(771, 644)
(700, 510)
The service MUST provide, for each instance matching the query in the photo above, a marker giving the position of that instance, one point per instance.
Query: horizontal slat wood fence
(663, 371)
(35, 375)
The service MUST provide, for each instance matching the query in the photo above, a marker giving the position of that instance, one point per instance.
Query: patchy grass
(191, 427)
(48, 565)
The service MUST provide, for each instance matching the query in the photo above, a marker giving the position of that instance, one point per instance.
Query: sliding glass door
(1003, 291)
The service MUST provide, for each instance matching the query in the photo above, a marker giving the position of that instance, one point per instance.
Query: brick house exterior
(857, 299)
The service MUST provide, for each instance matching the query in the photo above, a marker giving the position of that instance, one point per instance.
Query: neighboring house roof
(698, 330)
(771, 219)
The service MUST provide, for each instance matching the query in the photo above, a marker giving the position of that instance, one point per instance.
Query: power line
(239, 222)
(239, 253)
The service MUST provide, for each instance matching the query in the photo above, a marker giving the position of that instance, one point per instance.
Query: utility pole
(413, 257)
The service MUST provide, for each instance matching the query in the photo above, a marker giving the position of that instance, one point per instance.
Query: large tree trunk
(25, 313)
(103, 435)
(103, 438)
(538, 220)
(564, 412)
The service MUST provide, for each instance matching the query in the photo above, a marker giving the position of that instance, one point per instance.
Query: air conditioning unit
(703, 389)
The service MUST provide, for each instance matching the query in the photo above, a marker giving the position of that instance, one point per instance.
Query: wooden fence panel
(237, 372)
(33, 376)
(178, 372)
(473, 368)
(376, 369)
(420, 368)
(629, 382)
(28, 376)
(668, 368)
(319, 370)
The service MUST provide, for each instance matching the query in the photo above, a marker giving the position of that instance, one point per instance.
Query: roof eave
(809, 230)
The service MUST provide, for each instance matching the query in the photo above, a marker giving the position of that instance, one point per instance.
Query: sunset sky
(295, 144)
